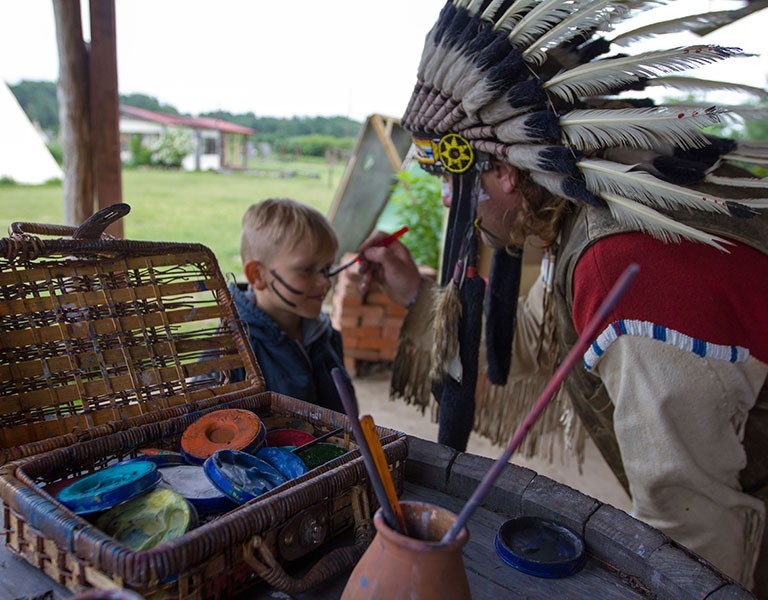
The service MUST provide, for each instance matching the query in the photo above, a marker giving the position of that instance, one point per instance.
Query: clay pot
(415, 566)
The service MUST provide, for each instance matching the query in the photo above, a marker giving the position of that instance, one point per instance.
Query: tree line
(38, 99)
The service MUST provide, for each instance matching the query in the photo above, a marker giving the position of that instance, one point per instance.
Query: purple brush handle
(344, 387)
(573, 356)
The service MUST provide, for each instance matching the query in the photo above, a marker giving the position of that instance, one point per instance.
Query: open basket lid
(99, 334)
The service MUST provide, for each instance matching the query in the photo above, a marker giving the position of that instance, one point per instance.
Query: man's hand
(391, 266)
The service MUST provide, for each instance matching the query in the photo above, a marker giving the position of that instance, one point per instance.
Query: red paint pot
(288, 437)
(227, 429)
(415, 566)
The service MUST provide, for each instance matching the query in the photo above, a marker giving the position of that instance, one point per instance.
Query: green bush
(415, 202)
(316, 145)
(140, 155)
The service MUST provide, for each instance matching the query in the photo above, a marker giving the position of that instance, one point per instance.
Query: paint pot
(415, 566)
(97, 594)
(149, 520)
(321, 453)
(288, 437)
(285, 461)
(540, 547)
(272, 422)
(109, 487)
(191, 482)
(161, 457)
(231, 429)
(241, 476)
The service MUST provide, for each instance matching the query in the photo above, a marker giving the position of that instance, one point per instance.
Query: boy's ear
(255, 274)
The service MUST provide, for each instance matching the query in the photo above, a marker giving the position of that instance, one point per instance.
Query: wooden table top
(626, 559)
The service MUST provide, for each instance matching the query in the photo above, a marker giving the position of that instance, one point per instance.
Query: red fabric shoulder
(702, 292)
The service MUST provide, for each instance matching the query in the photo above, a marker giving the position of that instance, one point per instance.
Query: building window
(209, 146)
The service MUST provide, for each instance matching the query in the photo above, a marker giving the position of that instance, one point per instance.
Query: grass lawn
(188, 207)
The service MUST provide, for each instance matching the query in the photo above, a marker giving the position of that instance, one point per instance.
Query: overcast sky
(288, 58)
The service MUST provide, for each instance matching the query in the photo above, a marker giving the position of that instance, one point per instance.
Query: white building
(217, 144)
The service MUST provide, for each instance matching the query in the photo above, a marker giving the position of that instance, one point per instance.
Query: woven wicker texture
(46, 533)
(96, 332)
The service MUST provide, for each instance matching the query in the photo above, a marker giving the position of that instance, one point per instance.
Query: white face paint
(482, 195)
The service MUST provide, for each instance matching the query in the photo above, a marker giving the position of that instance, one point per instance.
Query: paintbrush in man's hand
(385, 242)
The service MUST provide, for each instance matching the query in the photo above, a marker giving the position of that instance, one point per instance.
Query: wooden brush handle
(377, 452)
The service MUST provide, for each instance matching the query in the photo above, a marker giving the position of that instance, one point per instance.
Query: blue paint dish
(109, 487)
(540, 547)
(241, 476)
(286, 462)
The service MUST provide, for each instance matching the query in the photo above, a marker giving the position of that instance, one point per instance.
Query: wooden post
(105, 109)
(74, 110)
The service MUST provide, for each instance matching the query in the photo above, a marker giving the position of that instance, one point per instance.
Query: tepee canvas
(23, 155)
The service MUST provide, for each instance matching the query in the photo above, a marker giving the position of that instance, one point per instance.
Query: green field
(181, 206)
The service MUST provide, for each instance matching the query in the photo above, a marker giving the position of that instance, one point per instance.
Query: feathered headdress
(526, 82)
(534, 83)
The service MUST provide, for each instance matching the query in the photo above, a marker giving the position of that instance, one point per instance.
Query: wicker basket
(109, 346)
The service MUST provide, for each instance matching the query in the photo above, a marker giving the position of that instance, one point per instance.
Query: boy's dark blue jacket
(290, 368)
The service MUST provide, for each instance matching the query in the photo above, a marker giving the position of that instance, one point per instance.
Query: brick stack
(369, 325)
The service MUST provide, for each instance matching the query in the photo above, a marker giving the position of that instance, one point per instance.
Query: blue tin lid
(540, 547)
(240, 475)
(109, 487)
(286, 462)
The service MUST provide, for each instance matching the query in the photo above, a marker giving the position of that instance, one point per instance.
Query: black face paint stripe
(287, 287)
(279, 295)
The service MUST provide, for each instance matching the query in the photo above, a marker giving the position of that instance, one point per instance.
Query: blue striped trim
(653, 331)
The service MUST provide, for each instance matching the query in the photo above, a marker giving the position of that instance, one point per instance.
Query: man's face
(498, 204)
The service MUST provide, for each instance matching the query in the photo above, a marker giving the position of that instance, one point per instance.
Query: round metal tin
(109, 487)
(230, 429)
(240, 475)
(191, 482)
(540, 547)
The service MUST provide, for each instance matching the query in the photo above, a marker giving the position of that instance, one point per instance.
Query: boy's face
(295, 281)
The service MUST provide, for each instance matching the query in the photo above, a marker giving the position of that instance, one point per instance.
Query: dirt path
(596, 480)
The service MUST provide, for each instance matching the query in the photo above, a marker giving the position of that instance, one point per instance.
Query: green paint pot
(319, 454)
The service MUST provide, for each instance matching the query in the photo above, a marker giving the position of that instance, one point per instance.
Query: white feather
(598, 77)
(731, 112)
(603, 175)
(686, 23)
(583, 19)
(490, 12)
(706, 85)
(644, 218)
(513, 13)
(636, 127)
(539, 20)
(742, 182)
(474, 6)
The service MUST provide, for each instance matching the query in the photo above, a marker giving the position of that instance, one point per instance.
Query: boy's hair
(279, 224)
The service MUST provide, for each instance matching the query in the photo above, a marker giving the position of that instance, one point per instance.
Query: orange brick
(392, 322)
(387, 354)
(371, 311)
(365, 332)
(361, 354)
(352, 301)
(374, 343)
(349, 321)
(377, 299)
(396, 310)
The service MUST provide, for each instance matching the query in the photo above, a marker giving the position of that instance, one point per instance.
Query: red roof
(183, 121)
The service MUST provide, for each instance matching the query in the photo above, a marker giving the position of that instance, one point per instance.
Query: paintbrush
(317, 440)
(574, 355)
(374, 443)
(347, 394)
(384, 242)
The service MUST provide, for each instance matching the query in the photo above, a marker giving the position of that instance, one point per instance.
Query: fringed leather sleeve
(410, 372)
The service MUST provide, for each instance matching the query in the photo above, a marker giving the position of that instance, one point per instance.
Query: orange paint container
(230, 429)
